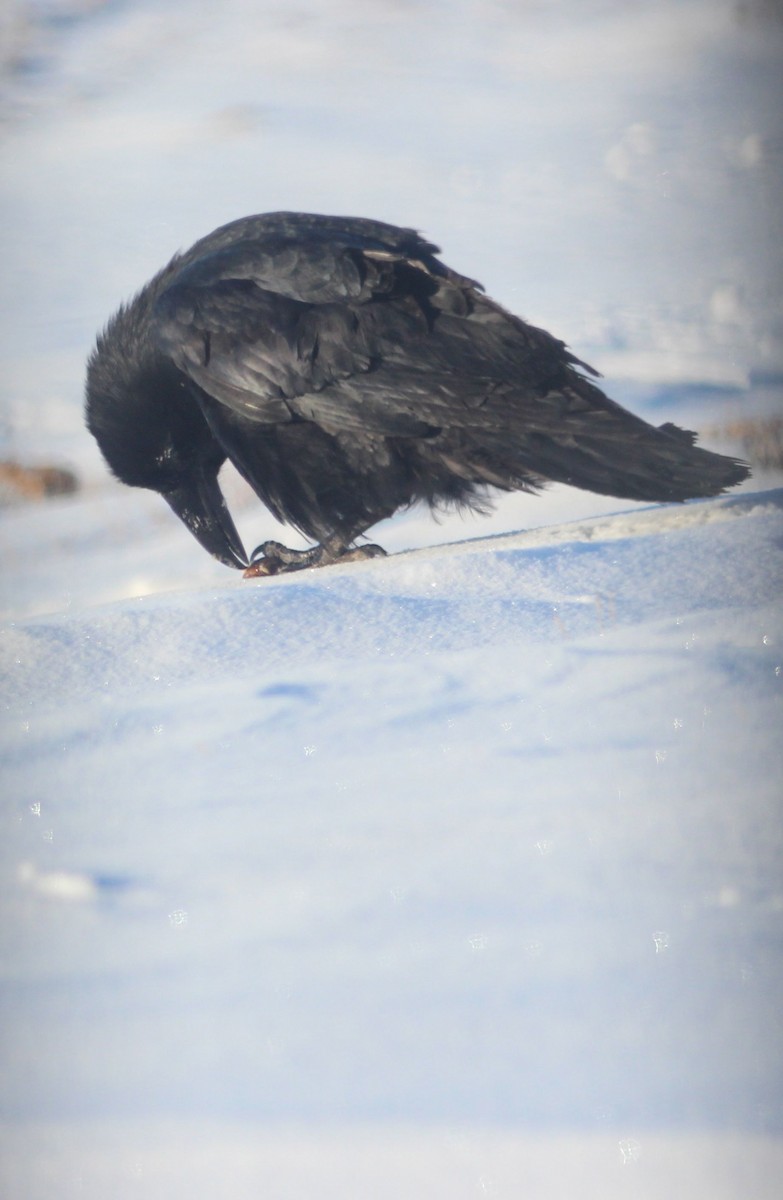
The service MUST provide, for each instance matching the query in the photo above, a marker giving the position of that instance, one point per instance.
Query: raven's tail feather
(644, 463)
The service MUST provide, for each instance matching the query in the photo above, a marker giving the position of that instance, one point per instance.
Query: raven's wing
(369, 340)
(357, 338)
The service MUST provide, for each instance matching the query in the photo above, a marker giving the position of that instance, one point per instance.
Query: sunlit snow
(457, 873)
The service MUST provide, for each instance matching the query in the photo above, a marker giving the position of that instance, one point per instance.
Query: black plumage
(347, 372)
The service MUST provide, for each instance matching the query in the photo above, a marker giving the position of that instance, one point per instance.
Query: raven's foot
(271, 558)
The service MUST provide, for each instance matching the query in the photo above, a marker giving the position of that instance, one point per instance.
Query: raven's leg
(271, 558)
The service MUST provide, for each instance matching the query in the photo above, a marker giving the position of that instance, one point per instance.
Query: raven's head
(148, 424)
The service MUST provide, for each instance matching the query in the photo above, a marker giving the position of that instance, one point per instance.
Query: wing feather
(362, 339)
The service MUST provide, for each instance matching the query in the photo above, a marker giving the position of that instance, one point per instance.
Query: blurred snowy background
(458, 874)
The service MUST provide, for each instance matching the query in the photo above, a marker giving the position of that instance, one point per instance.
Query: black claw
(272, 558)
(361, 552)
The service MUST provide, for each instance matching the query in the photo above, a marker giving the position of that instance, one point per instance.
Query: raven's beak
(199, 504)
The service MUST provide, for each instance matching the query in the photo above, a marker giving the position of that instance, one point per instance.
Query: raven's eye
(168, 467)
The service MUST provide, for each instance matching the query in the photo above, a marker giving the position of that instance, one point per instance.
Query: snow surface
(456, 874)
(482, 836)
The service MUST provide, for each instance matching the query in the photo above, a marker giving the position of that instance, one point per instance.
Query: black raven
(347, 372)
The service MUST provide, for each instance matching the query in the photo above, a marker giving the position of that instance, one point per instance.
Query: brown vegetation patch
(19, 483)
(760, 438)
